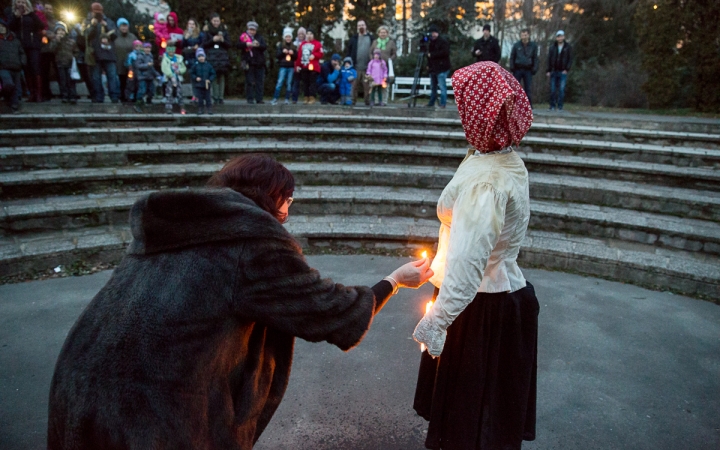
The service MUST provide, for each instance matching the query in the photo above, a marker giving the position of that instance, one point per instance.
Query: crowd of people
(105, 54)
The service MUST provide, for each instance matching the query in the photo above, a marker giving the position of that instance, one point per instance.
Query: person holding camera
(438, 65)
(101, 35)
(329, 81)
(524, 61)
(253, 46)
(29, 29)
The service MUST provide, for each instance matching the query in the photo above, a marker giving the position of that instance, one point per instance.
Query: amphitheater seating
(635, 201)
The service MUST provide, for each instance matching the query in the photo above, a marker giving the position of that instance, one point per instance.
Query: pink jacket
(378, 70)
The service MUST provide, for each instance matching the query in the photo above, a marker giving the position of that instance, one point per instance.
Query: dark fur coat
(189, 344)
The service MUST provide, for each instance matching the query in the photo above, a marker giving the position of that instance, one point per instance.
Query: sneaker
(260, 102)
(294, 102)
(138, 108)
(200, 112)
(552, 108)
(287, 102)
(168, 111)
(274, 102)
(221, 101)
(383, 104)
(372, 103)
(209, 111)
(306, 100)
(311, 101)
(442, 106)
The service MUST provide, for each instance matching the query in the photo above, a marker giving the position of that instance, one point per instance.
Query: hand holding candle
(413, 274)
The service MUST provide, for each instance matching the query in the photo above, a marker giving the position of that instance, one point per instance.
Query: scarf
(382, 43)
(494, 109)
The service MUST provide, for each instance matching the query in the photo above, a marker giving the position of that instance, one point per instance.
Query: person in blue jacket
(202, 75)
(348, 74)
(329, 81)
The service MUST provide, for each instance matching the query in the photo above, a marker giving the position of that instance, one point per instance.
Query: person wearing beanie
(559, 63)
(65, 49)
(285, 55)
(487, 48)
(145, 74)
(173, 67)
(160, 31)
(299, 39)
(484, 394)
(131, 85)
(202, 75)
(307, 65)
(377, 70)
(329, 80)
(28, 28)
(216, 46)
(252, 47)
(123, 47)
(101, 33)
(12, 60)
(439, 66)
(348, 75)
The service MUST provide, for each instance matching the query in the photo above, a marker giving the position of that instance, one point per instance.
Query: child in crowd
(12, 60)
(285, 55)
(173, 67)
(160, 30)
(202, 74)
(378, 70)
(144, 70)
(132, 85)
(347, 77)
(65, 48)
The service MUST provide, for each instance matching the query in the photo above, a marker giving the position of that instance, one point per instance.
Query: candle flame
(428, 306)
(311, 67)
(424, 254)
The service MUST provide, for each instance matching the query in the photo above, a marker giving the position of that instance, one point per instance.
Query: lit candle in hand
(428, 306)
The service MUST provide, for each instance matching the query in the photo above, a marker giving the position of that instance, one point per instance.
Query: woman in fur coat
(189, 344)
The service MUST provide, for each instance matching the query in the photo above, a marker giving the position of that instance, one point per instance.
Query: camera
(424, 41)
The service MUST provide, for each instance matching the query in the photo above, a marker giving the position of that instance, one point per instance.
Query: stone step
(547, 130)
(98, 155)
(568, 169)
(655, 268)
(73, 212)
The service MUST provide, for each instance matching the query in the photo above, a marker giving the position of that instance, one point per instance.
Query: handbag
(74, 72)
(391, 71)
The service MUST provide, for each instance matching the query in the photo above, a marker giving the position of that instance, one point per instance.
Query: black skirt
(481, 392)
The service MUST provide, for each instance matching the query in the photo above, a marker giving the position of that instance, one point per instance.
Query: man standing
(559, 63)
(487, 48)
(253, 47)
(101, 35)
(524, 61)
(438, 66)
(359, 50)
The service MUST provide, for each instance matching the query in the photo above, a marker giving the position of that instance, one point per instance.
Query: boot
(38, 89)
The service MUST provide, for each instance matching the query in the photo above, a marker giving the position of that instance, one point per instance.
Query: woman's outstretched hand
(413, 274)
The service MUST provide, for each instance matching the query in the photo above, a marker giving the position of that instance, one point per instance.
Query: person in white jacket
(477, 380)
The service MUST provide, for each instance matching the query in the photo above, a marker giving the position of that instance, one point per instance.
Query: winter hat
(378, 51)
(560, 33)
(288, 32)
(122, 21)
(301, 30)
(136, 43)
(199, 52)
(159, 17)
(348, 60)
(494, 109)
(96, 8)
(60, 26)
(486, 27)
(433, 29)
(335, 57)
(252, 24)
(147, 45)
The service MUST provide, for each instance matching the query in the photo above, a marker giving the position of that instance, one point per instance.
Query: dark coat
(524, 57)
(559, 63)
(203, 70)
(94, 37)
(490, 50)
(217, 52)
(65, 50)
(282, 57)
(188, 47)
(352, 47)
(190, 342)
(12, 55)
(144, 67)
(258, 53)
(28, 28)
(439, 55)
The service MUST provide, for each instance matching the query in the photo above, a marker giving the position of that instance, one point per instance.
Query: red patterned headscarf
(494, 109)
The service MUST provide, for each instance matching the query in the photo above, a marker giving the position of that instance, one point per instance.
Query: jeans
(296, 87)
(203, 97)
(66, 84)
(329, 93)
(254, 83)
(376, 90)
(557, 89)
(11, 87)
(309, 80)
(110, 69)
(145, 87)
(435, 80)
(286, 74)
(524, 77)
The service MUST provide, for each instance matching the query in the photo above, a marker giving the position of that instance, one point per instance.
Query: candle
(311, 67)
(428, 306)
(130, 74)
(287, 58)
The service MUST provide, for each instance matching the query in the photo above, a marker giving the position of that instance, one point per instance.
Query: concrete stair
(632, 204)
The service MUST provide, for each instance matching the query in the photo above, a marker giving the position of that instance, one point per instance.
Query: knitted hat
(122, 21)
(301, 30)
(136, 43)
(378, 51)
(96, 8)
(486, 27)
(199, 52)
(60, 26)
(494, 109)
(288, 32)
(348, 60)
(252, 25)
(159, 17)
(433, 29)
(335, 57)
(147, 45)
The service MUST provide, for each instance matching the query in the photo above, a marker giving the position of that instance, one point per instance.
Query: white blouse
(484, 213)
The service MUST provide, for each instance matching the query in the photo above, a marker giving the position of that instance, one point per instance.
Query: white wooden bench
(403, 85)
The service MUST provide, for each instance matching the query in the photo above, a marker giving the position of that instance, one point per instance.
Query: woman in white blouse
(477, 380)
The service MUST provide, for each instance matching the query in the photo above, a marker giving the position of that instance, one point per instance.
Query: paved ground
(620, 367)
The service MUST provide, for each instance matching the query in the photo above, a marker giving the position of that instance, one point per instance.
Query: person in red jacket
(174, 32)
(307, 65)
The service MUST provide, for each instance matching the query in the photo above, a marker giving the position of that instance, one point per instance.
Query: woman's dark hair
(259, 178)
